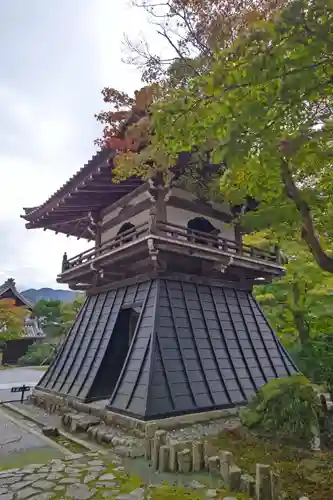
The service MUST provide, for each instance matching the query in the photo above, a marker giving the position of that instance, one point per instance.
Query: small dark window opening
(203, 226)
(115, 355)
(128, 229)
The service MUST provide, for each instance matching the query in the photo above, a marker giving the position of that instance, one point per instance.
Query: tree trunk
(302, 327)
(298, 314)
(308, 232)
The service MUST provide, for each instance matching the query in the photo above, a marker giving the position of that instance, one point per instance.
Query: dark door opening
(127, 232)
(115, 355)
(202, 225)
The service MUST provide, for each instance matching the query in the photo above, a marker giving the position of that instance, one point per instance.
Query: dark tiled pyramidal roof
(195, 348)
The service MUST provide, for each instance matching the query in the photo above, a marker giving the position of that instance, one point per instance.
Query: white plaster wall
(185, 195)
(134, 201)
(136, 220)
(181, 217)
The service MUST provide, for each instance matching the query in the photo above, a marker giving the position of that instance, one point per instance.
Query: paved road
(14, 377)
(21, 443)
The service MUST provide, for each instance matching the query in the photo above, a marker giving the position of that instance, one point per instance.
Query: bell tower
(169, 325)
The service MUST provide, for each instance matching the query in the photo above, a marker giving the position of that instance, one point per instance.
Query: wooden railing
(118, 241)
(177, 234)
(217, 242)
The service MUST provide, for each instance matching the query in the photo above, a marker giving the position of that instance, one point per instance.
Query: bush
(286, 407)
(315, 360)
(38, 353)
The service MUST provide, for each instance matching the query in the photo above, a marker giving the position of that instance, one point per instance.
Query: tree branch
(308, 232)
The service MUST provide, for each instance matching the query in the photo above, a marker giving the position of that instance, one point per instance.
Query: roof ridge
(9, 284)
(96, 159)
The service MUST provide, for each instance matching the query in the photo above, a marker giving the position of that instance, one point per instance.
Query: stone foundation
(54, 403)
(171, 445)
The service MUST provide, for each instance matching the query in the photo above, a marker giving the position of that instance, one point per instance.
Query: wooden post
(152, 219)
(159, 194)
(278, 254)
(238, 239)
(64, 265)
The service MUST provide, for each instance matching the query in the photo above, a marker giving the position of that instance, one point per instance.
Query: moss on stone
(302, 472)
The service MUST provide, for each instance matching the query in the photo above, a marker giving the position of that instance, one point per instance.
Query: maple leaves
(126, 125)
(11, 320)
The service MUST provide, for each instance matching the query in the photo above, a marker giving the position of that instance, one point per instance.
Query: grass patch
(169, 492)
(129, 482)
(23, 458)
(302, 472)
(69, 445)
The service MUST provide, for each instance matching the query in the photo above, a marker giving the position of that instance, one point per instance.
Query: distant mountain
(50, 294)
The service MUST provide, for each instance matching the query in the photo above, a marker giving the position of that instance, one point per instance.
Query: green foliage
(302, 472)
(285, 407)
(264, 109)
(38, 353)
(56, 316)
(299, 305)
(315, 359)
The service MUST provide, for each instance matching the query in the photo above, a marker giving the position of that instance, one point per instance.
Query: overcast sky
(55, 57)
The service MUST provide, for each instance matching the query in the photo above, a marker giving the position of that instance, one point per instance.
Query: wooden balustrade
(176, 233)
(117, 241)
(226, 245)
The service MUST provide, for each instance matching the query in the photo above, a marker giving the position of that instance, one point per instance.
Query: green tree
(264, 112)
(299, 305)
(56, 316)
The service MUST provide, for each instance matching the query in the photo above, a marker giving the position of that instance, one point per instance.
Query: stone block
(195, 485)
(275, 485)
(50, 431)
(174, 446)
(164, 453)
(85, 422)
(74, 419)
(159, 440)
(226, 461)
(150, 430)
(108, 437)
(100, 435)
(65, 419)
(209, 450)
(148, 448)
(184, 459)
(248, 485)
(197, 456)
(97, 412)
(214, 465)
(234, 478)
(263, 482)
(211, 494)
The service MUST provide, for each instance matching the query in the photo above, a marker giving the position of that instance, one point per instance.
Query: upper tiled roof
(90, 189)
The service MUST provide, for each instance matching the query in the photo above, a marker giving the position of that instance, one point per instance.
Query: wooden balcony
(132, 252)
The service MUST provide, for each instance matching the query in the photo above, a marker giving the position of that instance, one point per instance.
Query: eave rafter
(90, 190)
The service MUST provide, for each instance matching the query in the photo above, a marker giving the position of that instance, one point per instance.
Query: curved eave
(5, 288)
(88, 191)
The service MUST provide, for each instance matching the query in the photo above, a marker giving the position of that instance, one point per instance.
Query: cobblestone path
(89, 475)
(80, 477)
